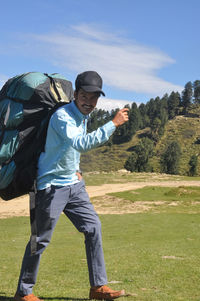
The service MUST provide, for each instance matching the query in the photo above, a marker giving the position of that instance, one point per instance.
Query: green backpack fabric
(27, 102)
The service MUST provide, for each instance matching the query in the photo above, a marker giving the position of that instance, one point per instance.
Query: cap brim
(92, 89)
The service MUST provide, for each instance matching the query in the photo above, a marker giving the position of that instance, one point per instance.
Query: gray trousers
(74, 201)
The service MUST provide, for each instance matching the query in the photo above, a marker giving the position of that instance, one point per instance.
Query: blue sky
(141, 48)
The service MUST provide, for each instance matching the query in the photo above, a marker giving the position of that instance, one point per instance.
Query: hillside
(108, 158)
(183, 129)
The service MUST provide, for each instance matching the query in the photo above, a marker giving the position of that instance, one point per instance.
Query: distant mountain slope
(185, 130)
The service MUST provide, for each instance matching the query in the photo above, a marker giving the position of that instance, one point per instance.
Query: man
(60, 187)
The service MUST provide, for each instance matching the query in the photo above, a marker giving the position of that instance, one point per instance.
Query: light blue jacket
(66, 138)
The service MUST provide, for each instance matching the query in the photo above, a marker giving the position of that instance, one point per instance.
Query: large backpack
(26, 103)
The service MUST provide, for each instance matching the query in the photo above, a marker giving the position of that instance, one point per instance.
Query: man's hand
(121, 117)
(79, 176)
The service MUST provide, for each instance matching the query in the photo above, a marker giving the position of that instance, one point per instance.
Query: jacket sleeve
(76, 137)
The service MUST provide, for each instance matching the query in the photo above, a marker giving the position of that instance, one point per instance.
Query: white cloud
(109, 104)
(122, 63)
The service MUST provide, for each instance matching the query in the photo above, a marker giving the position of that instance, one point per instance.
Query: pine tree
(196, 86)
(139, 159)
(173, 104)
(193, 165)
(151, 109)
(155, 129)
(187, 95)
(170, 158)
(131, 162)
(125, 132)
(144, 117)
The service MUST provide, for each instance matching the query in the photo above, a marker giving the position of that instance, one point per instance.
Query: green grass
(181, 193)
(99, 178)
(180, 199)
(153, 256)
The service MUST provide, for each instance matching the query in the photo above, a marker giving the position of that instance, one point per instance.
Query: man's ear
(75, 94)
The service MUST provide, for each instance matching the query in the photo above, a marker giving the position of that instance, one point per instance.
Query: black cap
(89, 81)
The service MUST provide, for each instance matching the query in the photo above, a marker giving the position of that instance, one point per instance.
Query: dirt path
(20, 206)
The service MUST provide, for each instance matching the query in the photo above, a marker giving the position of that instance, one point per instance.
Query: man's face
(86, 101)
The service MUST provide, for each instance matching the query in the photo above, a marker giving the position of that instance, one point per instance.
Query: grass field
(180, 199)
(167, 194)
(98, 178)
(153, 255)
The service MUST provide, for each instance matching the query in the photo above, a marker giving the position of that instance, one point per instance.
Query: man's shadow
(4, 298)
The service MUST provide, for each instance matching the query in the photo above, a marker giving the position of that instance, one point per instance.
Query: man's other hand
(79, 176)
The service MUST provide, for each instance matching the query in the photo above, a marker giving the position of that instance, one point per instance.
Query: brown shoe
(30, 297)
(105, 293)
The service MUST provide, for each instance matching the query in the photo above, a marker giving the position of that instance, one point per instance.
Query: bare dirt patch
(172, 257)
(112, 205)
(105, 205)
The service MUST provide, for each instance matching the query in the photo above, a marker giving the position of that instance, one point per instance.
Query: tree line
(154, 115)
